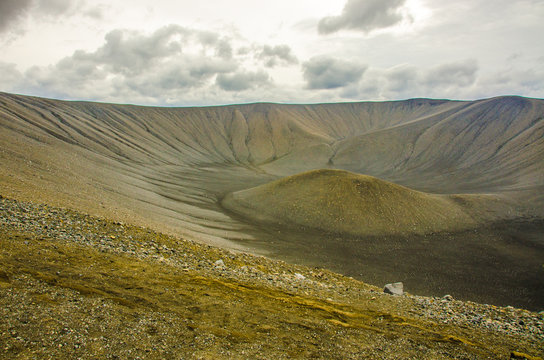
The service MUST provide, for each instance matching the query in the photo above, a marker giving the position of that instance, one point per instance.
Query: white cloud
(169, 59)
(211, 52)
(167, 63)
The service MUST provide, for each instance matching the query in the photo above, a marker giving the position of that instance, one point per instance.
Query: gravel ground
(78, 329)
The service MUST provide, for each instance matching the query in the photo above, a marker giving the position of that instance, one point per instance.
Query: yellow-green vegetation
(74, 286)
(345, 202)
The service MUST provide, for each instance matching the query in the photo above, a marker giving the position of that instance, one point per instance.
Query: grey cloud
(144, 66)
(11, 11)
(78, 66)
(242, 80)
(531, 79)
(164, 79)
(244, 50)
(131, 53)
(14, 11)
(127, 52)
(66, 79)
(224, 49)
(453, 74)
(402, 78)
(276, 55)
(11, 77)
(53, 7)
(204, 68)
(95, 12)
(222, 45)
(364, 15)
(455, 80)
(330, 73)
(527, 82)
(207, 37)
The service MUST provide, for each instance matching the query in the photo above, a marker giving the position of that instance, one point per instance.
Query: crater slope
(339, 201)
(169, 169)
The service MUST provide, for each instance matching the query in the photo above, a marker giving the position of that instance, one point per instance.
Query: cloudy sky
(211, 52)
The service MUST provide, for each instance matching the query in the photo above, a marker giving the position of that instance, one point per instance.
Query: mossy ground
(64, 300)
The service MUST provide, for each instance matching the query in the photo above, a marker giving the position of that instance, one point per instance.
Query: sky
(214, 52)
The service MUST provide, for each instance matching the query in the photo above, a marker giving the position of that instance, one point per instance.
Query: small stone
(448, 298)
(394, 289)
(299, 276)
(219, 263)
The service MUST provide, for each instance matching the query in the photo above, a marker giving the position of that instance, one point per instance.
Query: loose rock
(299, 276)
(219, 263)
(394, 289)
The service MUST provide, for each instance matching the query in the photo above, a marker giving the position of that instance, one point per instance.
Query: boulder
(394, 289)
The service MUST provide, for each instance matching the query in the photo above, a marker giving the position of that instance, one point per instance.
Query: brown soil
(342, 202)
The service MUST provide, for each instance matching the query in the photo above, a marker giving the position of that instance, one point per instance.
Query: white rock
(394, 289)
(299, 276)
(219, 262)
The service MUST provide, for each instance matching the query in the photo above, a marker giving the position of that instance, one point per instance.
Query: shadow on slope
(499, 263)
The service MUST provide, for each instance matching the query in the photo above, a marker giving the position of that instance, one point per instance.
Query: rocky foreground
(73, 286)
